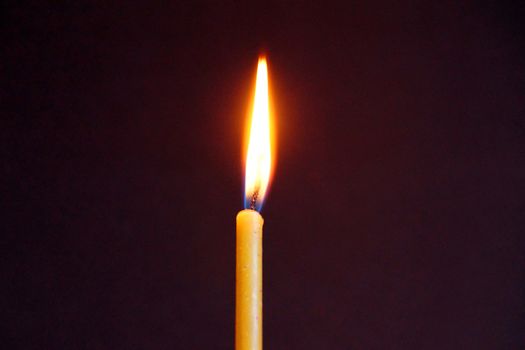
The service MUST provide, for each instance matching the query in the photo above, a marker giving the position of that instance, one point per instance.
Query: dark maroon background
(396, 218)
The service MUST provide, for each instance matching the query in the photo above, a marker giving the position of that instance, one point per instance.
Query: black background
(396, 215)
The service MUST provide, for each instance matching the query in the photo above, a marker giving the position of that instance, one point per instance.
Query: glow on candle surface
(248, 291)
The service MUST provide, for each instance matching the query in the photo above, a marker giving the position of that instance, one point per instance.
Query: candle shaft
(248, 299)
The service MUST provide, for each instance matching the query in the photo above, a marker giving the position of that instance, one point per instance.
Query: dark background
(396, 216)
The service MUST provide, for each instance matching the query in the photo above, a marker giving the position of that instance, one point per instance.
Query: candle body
(248, 290)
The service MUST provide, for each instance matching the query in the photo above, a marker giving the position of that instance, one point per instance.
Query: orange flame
(259, 154)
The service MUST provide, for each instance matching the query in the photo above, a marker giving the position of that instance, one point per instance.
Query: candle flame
(259, 155)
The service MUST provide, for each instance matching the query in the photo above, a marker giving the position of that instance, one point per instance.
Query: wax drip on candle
(254, 199)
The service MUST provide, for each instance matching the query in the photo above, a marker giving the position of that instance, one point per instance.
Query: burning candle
(248, 305)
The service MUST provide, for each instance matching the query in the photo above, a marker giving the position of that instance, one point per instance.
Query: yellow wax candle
(248, 306)
(248, 292)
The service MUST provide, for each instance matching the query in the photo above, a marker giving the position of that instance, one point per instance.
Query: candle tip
(254, 199)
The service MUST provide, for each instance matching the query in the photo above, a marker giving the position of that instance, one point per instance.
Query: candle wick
(254, 199)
